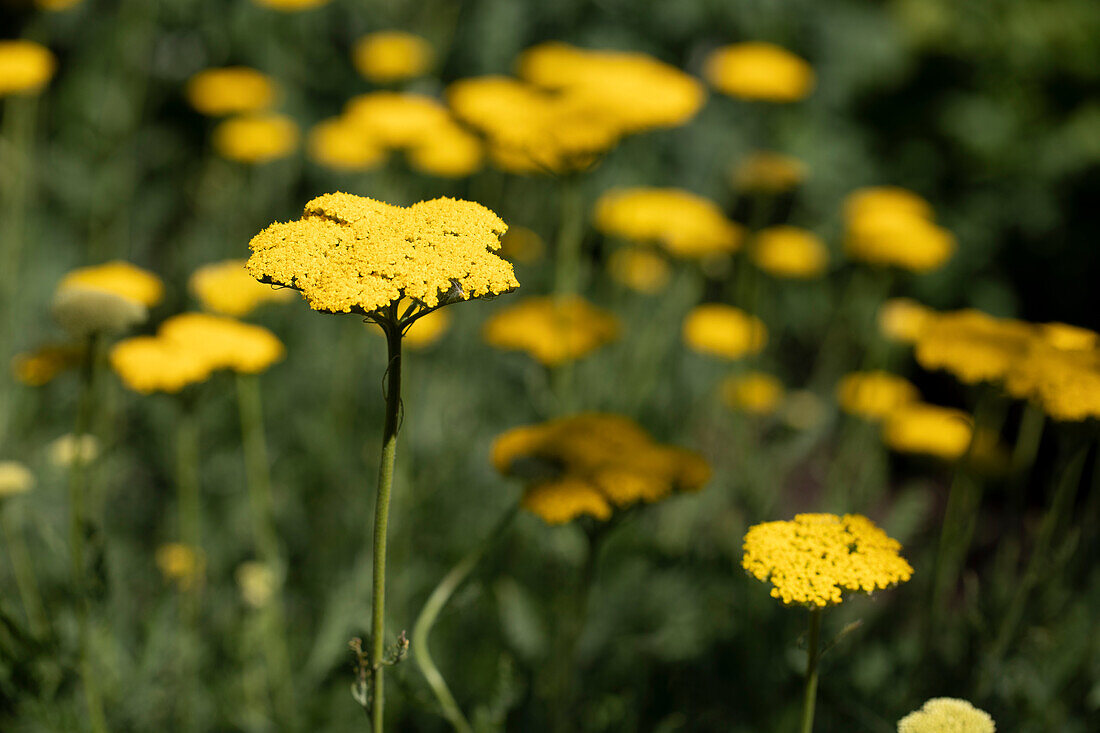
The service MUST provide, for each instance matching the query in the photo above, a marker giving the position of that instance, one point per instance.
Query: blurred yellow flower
(256, 139)
(290, 6)
(231, 90)
(39, 367)
(947, 715)
(15, 478)
(223, 343)
(894, 199)
(814, 559)
(802, 410)
(886, 225)
(227, 288)
(973, 346)
(118, 278)
(789, 252)
(522, 245)
(551, 330)
(639, 269)
(685, 224)
(759, 71)
(769, 173)
(450, 152)
(903, 319)
(563, 500)
(756, 392)
(338, 144)
(929, 429)
(257, 583)
(55, 6)
(724, 331)
(181, 564)
(351, 253)
(874, 395)
(1064, 382)
(69, 448)
(388, 56)
(1065, 337)
(397, 119)
(149, 364)
(83, 311)
(25, 67)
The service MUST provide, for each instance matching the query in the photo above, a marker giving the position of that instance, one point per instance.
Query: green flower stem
(20, 113)
(813, 656)
(24, 576)
(1028, 439)
(188, 496)
(381, 519)
(570, 236)
(432, 608)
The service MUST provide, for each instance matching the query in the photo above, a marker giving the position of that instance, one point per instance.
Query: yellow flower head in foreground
(551, 330)
(769, 173)
(790, 252)
(149, 364)
(592, 464)
(227, 288)
(928, 429)
(522, 245)
(947, 715)
(904, 320)
(1064, 382)
(759, 71)
(874, 395)
(814, 559)
(973, 346)
(15, 478)
(25, 67)
(118, 278)
(685, 224)
(639, 269)
(291, 6)
(256, 139)
(890, 226)
(181, 564)
(224, 343)
(756, 392)
(39, 367)
(389, 56)
(351, 253)
(339, 144)
(231, 90)
(724, 331)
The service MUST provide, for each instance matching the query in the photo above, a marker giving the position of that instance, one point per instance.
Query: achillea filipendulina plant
(903, 320)
(231, 90)
(723, 331)
(685, 224)
(758, 71)
(117, 278)
(889, 226)
(758, 393)
(256, 139)
(225, 288)
(553, 331)
(947, 715)
(789, 252)
(339, 144)
(385, 57)
(973, 346)
(875, 394)
(397, 120)
(917, 427)
(767, 172)
(1065, 383)
(350, 254)
(25, 67)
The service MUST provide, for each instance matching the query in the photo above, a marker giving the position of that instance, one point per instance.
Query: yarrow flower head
(789, 252)
(814, 560)
(181, 564)
(592, 464)
(972, 345)
(40, 366)
(724, 331)
(226, 288)
(767, 172)
(904, 320)
(640, 269)
(916, 427)
(25, 67)
(552, 330)
(890, 226)
(107, 298)
(683, 223)
(339, 144)
(257, 138)
(874, 395)
(231, 90)
(385, 57)
(947, 715)
(1065, 383)
(759, 71)
(758, 393)
(15, 478)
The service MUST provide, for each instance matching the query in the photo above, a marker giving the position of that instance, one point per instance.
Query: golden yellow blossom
(69, 448)
(257, 582)
(894, 199)
(684, 223)
(224, 343)
(39, 367)
(904, 319)
(25, 67)
(388, 56)
(790, 252)
(814, 559)
(339, 144)
(181, 564)
(874, 395)
(227, 288)
(896, 239)
(231, 90)
(397, 119)
(565, 499)
(639, 269)
(973, 346)
(724, 331)
(551, 330)
(256, 139)
(449, 152)
(929, 429)
(522, 245)
(759, 71)
(756, 392)
(15, 478)
(56, 6)
(768, 173)
(351, 253)
(1064, 382)
(119, 278)
(947, 715)
(149, 364)
(1065, 337)
(291, 6)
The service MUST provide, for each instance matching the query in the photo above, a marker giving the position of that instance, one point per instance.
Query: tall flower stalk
(813, 656)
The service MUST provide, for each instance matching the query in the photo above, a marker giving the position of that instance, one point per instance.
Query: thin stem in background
(24, 576)
(813, 656)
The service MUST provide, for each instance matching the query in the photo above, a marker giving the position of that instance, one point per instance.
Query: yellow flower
(85, 311)
(257, 583)
(1065, 337)
(69, 448)
(1065, 383)
(149, 364)
(56, 6)
(759, 71)
(39, 367)
(947, 715)
(397, 119)
(755, 392)
(224, 343)
(874, 395)
(425, 330)
(592, 464)
(973, 346)
(685, 224)
(231, 90)
(886, 225)
(290, 6)
(920, 428)
(904, 320)
(227, 288)
(769, 173)
(639, 269)
(15, 478)
(449, 152)
(256, 139)
(786, 251)
(520, 244)
(351, 253)
(814, 559)
(181, 564)
(25, 67)
(338, 144)
(118, 278)
(724, 331)
(874, 199)
(388, 56)
(551, 330)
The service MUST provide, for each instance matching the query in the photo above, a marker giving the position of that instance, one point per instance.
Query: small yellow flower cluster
(25, 67)
(230, 90)
(552, 330)
(874, 395)
(947, 715)
(724, 331)
(592, 464)
(683, 223)
(291, 6)
(1065, 382)
(181, 564)
(255, 139)
(903, 320)
(972, 345)
(385, 57)
(891, 226)
(39, 367)
(758, 393)
(107, 298)
(768, 172)
(227, 288)
(15, 478)
(118, 278)
(69, 448)
(639, 269)
(814, 559)
(917, 427)
(351, 253)
(760, 72)
(257, 583)
(789, 252)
